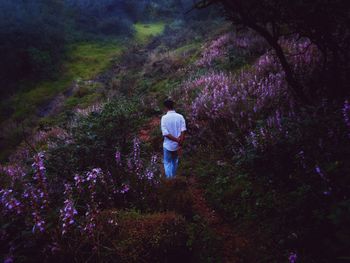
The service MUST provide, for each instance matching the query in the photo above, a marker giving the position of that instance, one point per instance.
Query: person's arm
(166, 133)
(169, 136)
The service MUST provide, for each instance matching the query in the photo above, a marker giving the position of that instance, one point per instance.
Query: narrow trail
(145, 133)
(231, 242)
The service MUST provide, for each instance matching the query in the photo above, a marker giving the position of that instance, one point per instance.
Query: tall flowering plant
(215, 50)
(28, 203)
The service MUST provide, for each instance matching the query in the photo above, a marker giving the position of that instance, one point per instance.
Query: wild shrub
(290, 164)
(62, 195)
(233, 105)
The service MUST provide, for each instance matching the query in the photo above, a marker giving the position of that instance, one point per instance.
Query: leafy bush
(96, 138)
(31, 201)
(297, 187)
(233, 105)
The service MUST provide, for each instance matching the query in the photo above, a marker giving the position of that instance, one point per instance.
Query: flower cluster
(292, 257)
(40, 176)
(68, 212)
(10, 202)
(12, 171)
(232, 104)
(135, 163)
(39, 222)
(30, 197)
(90, 220)
(118, 158)
(125, 188)
(150, 171)
(216, 49)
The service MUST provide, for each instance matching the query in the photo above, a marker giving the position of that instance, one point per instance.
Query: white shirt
(174, 124)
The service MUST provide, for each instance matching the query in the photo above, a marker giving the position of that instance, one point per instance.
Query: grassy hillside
(145, 31)
(261, 178)
(84, 62)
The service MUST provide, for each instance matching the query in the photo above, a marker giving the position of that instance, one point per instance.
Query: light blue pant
(171, 162)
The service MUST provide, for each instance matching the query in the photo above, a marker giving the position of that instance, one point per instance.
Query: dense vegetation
(47, 47)
(34, 35)
(265, 171)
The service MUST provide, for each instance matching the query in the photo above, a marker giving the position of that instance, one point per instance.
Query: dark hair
(169, 104)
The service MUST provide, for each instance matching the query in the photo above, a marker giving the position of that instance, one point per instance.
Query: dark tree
(325, 23)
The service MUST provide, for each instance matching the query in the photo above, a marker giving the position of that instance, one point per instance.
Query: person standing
(173, 126)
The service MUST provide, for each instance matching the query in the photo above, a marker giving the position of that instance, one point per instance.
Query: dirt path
(145, 133)
(232, 243)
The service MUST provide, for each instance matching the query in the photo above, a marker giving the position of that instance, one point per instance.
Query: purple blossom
(14, 171)
(327, 193)
(10, 203)
(216, 49)
(91, 220)
(135, 164)
(320, 172)
(151, 170)
(39, 223)
(233, 102)
(292, 257)
(40, 177)
(9, 259)
(38, 164)
(118, 158)
(68, 212)
(79, 181)
(93, 175)
(125, 188)
(92, 178)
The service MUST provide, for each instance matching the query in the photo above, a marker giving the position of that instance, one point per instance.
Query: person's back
(173, 127)
(172, 123)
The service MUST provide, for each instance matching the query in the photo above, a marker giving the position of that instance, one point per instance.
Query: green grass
(83, 102)
(144, 32)
(89, 59)
(86, 60)
(188, 47)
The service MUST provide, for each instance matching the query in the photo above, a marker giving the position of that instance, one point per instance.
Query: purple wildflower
(91, 220)
(292, 257)
(346, 113)
(9, 202)
(118, 158)
(68, 212)
(9, 259)
(150, 172)
(79, 181)
(320, 172)
(125, 188)
(39, 223)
